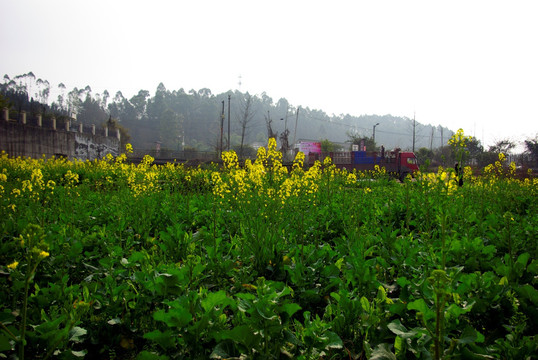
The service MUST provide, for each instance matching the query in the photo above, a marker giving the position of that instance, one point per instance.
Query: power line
(368, 129)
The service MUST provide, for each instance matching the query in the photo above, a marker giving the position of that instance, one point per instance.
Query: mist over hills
(192, 119)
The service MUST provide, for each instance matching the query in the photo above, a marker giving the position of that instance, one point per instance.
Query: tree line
(198, 119)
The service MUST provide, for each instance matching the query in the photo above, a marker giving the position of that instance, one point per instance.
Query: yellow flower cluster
(443, 180)
(142, 178)
(351, 179)
(300, 184)
(459, 140)
(108, 172)
(265, 181)
(33, 239)
(377, 173)
(220, 189)
(71, 179)
(498, 170)
(120, 159)
(266, 178)
(3, 178)
(147, 160)
(298, 162)
(35, 187)
(230, 159)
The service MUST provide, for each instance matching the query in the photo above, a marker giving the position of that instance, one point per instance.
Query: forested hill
(197, 114)
(174, 117)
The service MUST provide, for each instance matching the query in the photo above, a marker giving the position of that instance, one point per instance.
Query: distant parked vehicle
(397, 163)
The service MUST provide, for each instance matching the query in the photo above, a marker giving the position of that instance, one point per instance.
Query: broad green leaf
(521, 263)
(335, 296)
(50, 326)
(215, 299)
(489, 250)
(523, 259)
(533, 267)
(246, 296)
(333, 341)
(290, 308)
(241, 334)
(455, 245)
(398, 308)
(221, 350)
(382, 352)
(164, 339)
(454, 311)
(244, 305)
(397, 328)
(264, 313)
(285, 291)
(6, 317)
(402, 281)
(420, 306)
(178, 317)
(528, 292)
(469, 335)
(5, 345)
(114, 321)
(80, 354)
(136, 257)
(146, 355)
(77, 333)
(365, 304)
(291, 338)
(399, 345)
(339, 263)
(197, 270)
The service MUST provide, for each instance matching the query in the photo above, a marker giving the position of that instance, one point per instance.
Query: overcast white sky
(469, 64)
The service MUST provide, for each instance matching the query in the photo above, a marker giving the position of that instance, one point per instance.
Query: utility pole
(286, 121)
(373, 134)
(285, 134)
(414, 125)
(221, 126)
(431, 139)
(229, 97)
(296, 120)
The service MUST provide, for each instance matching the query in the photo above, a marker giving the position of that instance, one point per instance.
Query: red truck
(395, 162)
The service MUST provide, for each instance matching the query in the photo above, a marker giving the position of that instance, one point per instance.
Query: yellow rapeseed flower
(351, 178)
(230, 160)
(459, 140)
(13, 265)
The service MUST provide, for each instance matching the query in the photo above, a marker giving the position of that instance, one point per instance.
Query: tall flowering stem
(34, 250)
(459, 142)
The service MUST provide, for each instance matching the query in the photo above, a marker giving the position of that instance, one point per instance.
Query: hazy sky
(470, 64)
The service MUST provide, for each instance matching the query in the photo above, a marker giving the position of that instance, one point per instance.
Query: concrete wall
(18, 139)
(92, 147)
